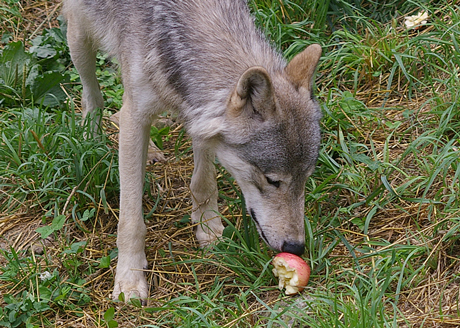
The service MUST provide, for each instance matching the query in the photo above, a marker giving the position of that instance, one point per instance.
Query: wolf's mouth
(261, 232)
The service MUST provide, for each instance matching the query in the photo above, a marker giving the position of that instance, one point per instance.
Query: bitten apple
(292, 271)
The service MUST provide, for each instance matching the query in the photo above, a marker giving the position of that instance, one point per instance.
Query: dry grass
(36, 15)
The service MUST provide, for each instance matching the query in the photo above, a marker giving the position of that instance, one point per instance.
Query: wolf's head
(271, 145)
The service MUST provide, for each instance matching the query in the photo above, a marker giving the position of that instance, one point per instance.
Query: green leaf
(136, 302)
(371, 164)
(104, 262)
(76, 248)
(112, 324)
(45, 293)
(109, 314)
(57, 224)
(46, 88)
(45, 51)
(358, 222)
(41, 306)
(88, 214)
(14, 61)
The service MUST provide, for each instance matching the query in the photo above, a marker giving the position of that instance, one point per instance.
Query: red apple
(293, 272)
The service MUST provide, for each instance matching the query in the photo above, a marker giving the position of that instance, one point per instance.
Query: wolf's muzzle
(288, 246)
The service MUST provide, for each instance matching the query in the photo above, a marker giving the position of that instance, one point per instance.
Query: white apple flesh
(292, 271)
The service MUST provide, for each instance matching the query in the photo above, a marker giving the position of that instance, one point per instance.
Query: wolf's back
(200, 45)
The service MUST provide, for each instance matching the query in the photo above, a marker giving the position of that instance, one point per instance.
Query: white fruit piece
(292, 271)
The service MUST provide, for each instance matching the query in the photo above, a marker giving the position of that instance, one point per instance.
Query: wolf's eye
(273, 182)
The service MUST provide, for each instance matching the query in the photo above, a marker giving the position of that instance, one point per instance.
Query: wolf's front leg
(133, 143)
(204, 195)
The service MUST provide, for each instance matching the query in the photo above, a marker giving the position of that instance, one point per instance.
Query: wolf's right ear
(301, 68)
(253, 95)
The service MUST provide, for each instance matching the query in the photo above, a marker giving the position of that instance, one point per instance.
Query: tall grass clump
(49, 146)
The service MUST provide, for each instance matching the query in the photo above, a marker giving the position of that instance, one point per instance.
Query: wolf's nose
(294, 248)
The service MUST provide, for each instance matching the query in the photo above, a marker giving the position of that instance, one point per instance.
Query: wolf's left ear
(301, 68)
(253, 94)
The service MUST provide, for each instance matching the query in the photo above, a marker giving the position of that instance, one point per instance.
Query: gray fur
(239, 100)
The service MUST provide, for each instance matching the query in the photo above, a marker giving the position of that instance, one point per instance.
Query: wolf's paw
(154, 154)
(130, 278)
(207, 236)
(134, 286)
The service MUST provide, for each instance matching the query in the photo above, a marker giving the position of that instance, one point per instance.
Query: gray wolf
(238, 98)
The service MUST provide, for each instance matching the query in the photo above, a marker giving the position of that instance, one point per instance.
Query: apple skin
(293, 272)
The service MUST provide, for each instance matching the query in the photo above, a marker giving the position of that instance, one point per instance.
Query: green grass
(382, 208)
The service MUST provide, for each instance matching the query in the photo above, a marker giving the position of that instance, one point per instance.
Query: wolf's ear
(301, 68)
(253, 94)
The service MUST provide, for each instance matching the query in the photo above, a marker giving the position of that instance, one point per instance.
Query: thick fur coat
(238, 98)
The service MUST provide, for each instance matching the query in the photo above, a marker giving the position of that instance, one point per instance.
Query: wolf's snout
(293, 248)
